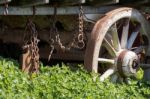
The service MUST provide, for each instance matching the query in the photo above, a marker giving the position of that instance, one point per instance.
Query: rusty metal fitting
(80, 38)
(81, 45)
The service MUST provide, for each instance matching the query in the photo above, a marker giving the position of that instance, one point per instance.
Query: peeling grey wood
(67, 2)
(146, 9)
(4, 1)
(101, 2)
(137, 2)
(60, 11)
(35, 2)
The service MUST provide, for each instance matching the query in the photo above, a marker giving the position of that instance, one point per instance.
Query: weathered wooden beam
(35, 2)
(29, 2)
(135, 2)
(60, 10)
(4, 1)
(67, 2)
(146, 9)
(102, 2)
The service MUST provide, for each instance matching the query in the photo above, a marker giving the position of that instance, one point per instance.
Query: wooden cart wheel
(118, 44)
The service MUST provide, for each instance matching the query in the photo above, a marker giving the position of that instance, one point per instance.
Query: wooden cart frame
(123, 56)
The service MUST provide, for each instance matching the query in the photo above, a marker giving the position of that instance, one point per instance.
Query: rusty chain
(146, 15)
(81, 43)
(5, 8)
(31, 40)
(53, 31)
(78, 39)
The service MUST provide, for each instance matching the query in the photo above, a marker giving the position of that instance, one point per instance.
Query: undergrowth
(63, 82)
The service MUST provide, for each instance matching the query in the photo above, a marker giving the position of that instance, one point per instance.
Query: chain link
(53, 31)
(78, 40)
(51, 43)
(34, 47)
(81, 43)
(146, 15)
(31, 40)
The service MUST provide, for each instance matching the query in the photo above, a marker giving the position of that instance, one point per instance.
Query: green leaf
(139, 74)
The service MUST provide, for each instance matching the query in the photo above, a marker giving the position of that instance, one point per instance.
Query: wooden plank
(101, 2)
(146, 9)
(136, 2)
(35, 2)
(60, 10)
(64, 2)
(4, 1)
(29, 2)
(67, 2)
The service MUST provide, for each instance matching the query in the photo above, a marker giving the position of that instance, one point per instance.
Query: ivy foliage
(63, 82)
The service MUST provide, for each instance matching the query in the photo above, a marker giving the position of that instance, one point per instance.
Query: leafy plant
(63, 83)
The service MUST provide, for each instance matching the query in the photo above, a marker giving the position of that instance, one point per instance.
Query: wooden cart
(117, 45)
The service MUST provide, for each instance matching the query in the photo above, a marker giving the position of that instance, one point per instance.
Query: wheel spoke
(107, 74)
(125, 32)
(115, 38)
(107, 44)
(133, 37)
(103, 60)
(144, 65)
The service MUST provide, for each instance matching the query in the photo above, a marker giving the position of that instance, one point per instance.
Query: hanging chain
(146, 15)
(81, 43)
(78, 39)
(51, 43)
(34, 47)
(31, 41)
(53, 31)
(5, 8)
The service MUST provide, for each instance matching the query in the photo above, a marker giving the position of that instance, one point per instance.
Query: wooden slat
(102, 2)
(29, 2)
(35, 2)
(4, 1)
(146, 9)
(67, 2)
(135, 2)
(50, 10)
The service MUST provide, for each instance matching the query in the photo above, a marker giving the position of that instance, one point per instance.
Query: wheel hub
(127, 63)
